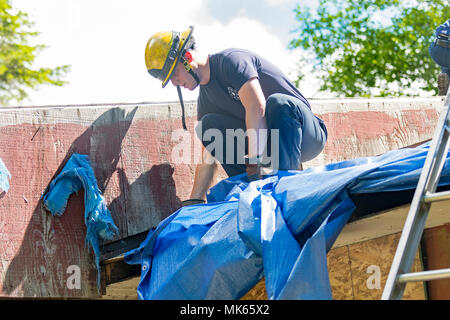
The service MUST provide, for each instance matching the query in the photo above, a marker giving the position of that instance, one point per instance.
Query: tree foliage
(17, 57)
(371, 48)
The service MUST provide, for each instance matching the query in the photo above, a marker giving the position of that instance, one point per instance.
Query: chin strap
(188, 68)
(183, 118)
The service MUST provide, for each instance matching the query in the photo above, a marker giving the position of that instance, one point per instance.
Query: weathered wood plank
(436, 243)
(389, 222)
(35, 145)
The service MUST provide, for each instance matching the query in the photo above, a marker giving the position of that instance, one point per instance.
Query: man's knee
(280, 106)
(277, 100)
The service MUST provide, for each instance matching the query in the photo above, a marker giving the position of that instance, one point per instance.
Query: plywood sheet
(124, 290)
(377, 254)
(258, 292)
(339, 267)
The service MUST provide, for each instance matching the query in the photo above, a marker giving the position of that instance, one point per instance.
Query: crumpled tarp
(4, 177)
(77, 174)
(281, 227)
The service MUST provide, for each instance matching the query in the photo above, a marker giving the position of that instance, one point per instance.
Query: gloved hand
(190, 202)
(253, 168)
(253, 172)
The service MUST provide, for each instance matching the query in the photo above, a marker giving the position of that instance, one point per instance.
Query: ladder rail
(419, 209)
(424, 275)
(439, 196)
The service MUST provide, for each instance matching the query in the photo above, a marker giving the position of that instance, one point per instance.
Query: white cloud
(104, 41)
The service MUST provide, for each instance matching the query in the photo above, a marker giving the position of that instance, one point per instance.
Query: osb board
(353, 268)
(258, 292)
(340, 273)
(436, 245)
(348, 271)
(124, 290)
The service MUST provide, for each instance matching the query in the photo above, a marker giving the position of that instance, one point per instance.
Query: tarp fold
(280, 227)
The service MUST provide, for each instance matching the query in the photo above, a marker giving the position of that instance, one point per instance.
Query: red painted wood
(132, 165)
(355, 133)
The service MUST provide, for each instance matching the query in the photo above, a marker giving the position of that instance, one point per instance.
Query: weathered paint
(130, 148)
(131, 164)
(361, 127)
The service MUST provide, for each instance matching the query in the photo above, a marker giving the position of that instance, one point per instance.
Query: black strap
(183, 118)
(180, 96)
(188, 68)
(195, 76)
(190, 202)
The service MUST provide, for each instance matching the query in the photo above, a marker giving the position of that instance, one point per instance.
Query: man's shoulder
(234, 59)
(232, 53)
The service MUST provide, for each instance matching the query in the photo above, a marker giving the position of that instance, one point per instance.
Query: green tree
(366, 48)
(17, 57)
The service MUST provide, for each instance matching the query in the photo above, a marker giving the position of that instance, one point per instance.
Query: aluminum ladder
(424, 195)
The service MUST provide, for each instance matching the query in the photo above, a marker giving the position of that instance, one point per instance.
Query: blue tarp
(76, 174)
(4, 177)
(280, 227)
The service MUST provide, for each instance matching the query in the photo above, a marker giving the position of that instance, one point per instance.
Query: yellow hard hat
(163, 51)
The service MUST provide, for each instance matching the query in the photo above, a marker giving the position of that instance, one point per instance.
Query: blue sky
(104, 42)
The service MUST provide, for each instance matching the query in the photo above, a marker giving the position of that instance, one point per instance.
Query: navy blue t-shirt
(229, 70)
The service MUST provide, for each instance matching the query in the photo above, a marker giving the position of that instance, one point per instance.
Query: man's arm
(254, 102)
(205, 175)
(252, 97)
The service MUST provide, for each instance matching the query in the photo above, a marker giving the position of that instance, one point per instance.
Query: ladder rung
(424, 275)
(438, 196)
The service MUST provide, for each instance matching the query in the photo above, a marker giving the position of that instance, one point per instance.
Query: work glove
(253, 172)
(190, 202)
(253, 168)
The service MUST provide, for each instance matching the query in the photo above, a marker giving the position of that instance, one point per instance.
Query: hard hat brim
(187, 35)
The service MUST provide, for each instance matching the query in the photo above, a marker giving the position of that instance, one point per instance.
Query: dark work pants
(302, 135)
(441, 56)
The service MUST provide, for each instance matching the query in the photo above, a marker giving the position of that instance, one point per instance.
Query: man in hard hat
(238, 90)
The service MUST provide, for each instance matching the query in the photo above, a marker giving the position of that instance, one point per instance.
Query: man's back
(229, 70)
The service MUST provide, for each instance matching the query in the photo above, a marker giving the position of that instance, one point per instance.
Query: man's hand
(253, 172)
